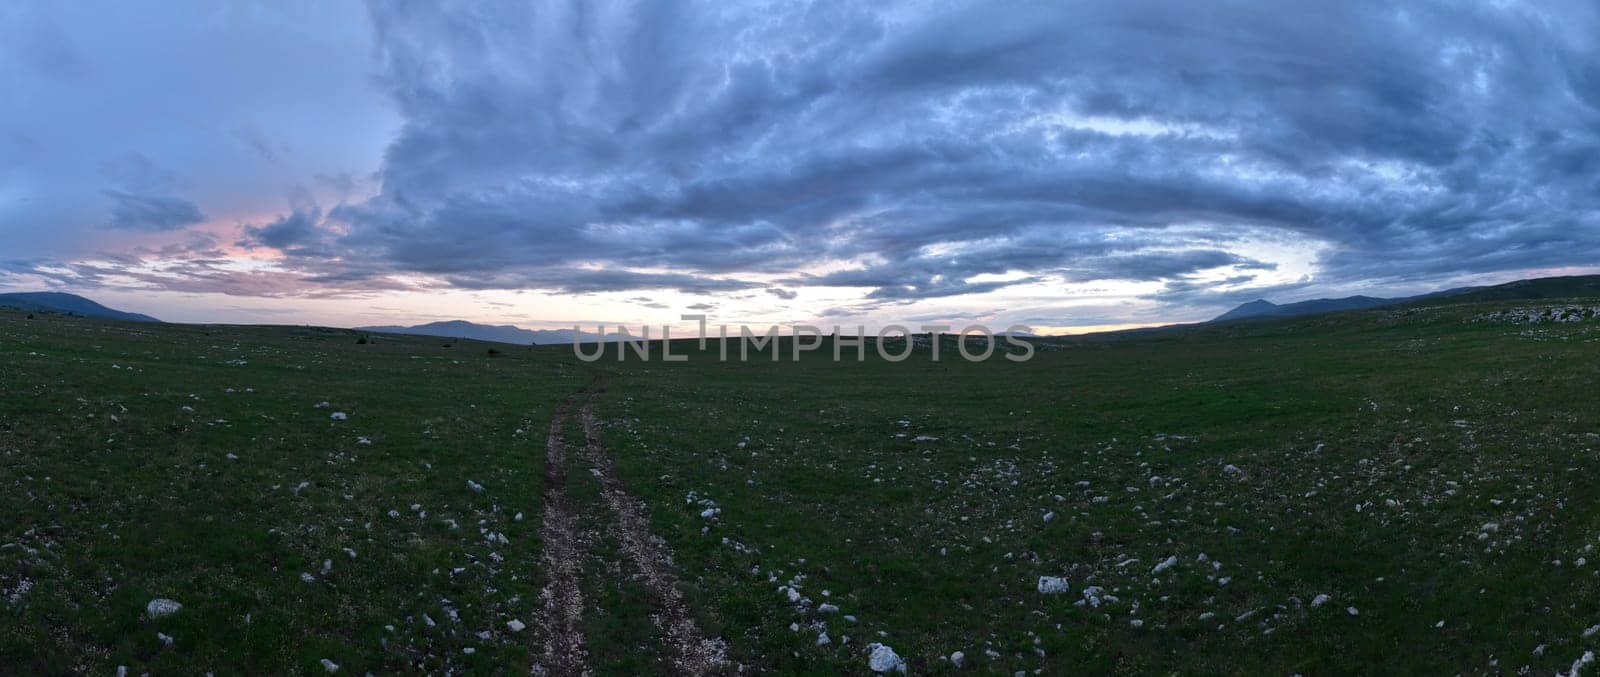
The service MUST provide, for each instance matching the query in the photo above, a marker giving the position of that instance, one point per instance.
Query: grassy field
(1408, 490)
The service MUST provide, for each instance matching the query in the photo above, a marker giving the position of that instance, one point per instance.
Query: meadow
(1403, 490)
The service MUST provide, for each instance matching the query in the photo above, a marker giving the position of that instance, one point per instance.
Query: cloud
(133, 211)
(1047, 142)
(140, 119)
(1158, 265)
(911, 152)
(586, 280)
(144, 199)
(288, 232)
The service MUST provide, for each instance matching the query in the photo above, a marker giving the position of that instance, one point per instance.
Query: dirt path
(693, 653)
(561, 615)
(566, 548)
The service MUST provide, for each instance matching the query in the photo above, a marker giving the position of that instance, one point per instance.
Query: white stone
(161, 608)
(1165, 564)
(884, 659)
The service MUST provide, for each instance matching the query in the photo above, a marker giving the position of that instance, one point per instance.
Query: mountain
(1265, 308)
(498, 333)
(1577, 286)
(1256, 308)
(69, 304)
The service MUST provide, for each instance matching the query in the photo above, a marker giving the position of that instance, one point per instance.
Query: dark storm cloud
(933, 151)
(1043, 142)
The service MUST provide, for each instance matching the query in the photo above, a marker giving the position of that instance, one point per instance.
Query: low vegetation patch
(1409, 488)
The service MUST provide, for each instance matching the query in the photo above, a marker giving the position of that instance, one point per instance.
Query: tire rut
(693, 653)
(561, 616)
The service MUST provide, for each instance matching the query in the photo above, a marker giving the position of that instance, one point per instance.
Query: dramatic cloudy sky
(1064, 165)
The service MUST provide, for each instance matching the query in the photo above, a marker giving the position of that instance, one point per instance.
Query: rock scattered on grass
(1052, 585)
(1582, 662)
(161, 608)
(884, 659)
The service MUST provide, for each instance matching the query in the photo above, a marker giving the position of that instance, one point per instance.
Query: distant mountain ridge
(70, 304)
(1265, 308)
(1575, 286)
(498, 333)
(1566, 287)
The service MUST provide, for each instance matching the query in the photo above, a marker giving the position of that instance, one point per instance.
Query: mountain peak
(1256, 308)
(1265, 308)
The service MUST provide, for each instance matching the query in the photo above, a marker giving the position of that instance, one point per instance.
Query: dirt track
(566, 549)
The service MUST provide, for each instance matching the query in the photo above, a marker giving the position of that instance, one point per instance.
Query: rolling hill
(498, 333)
(70, 304)
(1577, 286)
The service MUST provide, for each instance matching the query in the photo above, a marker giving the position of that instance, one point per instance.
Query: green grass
(118, 488)
(1251, 444)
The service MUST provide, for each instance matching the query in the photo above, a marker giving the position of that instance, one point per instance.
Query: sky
(1066, 166)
